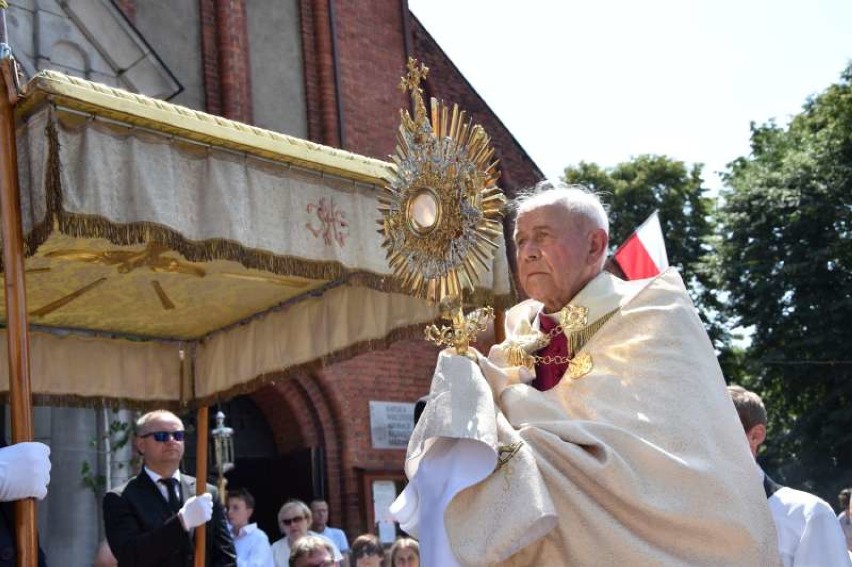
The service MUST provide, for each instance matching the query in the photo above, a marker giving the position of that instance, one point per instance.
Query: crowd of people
(307, 539)
(150, 520)
(808, 531)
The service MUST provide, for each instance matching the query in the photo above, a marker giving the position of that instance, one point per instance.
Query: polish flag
(643, 254)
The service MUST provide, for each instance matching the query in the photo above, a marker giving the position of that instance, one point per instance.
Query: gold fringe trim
(92, 226)
(40, 232)
(578, 339)
(87, 226)
(96, 402)
(73, 400)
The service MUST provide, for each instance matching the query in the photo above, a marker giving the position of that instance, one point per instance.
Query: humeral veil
(640, 462)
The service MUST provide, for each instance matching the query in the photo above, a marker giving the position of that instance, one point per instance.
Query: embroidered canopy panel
(152, 229)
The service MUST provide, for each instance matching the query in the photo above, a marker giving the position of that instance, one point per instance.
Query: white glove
(24, 471)
(196, 511)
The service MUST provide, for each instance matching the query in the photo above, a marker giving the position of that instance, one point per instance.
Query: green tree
(786, 261)
(633, 190)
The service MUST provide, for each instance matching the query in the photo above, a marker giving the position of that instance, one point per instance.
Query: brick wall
(400, 373)
(329, 407)
(285, 407)
(234, 67)
(225, 57)
(370, 59)
(210, 57)
(311, 56)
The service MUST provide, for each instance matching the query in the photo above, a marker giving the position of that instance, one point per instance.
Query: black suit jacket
(8, 553)
(142, 531)
(8, 549)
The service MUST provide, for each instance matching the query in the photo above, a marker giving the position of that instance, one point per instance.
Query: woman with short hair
(294, 519)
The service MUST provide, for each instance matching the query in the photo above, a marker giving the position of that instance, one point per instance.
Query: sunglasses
(163, 436)
(288, 521)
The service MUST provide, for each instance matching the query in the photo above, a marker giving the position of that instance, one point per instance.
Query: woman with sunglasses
(367, 551)
(294, 519)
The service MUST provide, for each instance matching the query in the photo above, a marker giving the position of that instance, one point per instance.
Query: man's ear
(598, 242)
(756, 436)
(137, 444)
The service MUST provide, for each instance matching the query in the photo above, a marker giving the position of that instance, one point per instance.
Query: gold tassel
(577, 339)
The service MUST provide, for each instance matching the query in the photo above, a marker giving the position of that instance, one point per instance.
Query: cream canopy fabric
(152, 230)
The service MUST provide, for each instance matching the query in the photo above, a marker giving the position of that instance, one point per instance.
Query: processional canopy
(151, 229)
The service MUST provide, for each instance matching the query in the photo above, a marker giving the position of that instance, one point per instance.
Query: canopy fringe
(74, 400)
(270, 378)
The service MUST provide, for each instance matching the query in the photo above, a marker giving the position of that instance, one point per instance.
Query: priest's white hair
(577, 199)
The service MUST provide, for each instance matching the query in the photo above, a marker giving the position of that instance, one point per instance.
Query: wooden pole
(17, 334)
(202, 426)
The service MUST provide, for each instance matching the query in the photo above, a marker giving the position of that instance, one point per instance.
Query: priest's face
(558, 253)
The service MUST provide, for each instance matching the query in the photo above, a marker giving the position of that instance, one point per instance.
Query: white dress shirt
(253, 549)
(162, 487)
(809, 534)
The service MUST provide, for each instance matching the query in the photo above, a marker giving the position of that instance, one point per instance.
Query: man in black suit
(150, 520)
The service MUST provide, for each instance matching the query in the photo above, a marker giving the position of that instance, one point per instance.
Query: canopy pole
(17, 334)
(202, 438)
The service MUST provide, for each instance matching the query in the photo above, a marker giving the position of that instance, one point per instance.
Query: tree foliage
(786, 262)
(633, 190)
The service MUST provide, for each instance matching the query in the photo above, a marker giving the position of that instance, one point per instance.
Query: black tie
(171, 490)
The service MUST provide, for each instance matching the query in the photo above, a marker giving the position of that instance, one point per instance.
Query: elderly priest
(599, 433)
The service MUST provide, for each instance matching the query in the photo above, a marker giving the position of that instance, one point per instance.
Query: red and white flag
(643, 254)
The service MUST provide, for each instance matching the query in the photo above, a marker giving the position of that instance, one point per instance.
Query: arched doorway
(272, 478)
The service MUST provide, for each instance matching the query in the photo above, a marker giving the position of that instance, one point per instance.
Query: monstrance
(442, 210)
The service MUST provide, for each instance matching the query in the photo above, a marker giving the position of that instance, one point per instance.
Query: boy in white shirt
(251, 543)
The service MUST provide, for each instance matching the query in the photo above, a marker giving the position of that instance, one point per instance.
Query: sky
(606, 80)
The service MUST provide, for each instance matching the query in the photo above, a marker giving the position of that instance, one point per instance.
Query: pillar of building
(225, 46)
(318, 44)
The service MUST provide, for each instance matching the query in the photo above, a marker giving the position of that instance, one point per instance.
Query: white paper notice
(387, 532)
(391, 424)
(384, 493)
